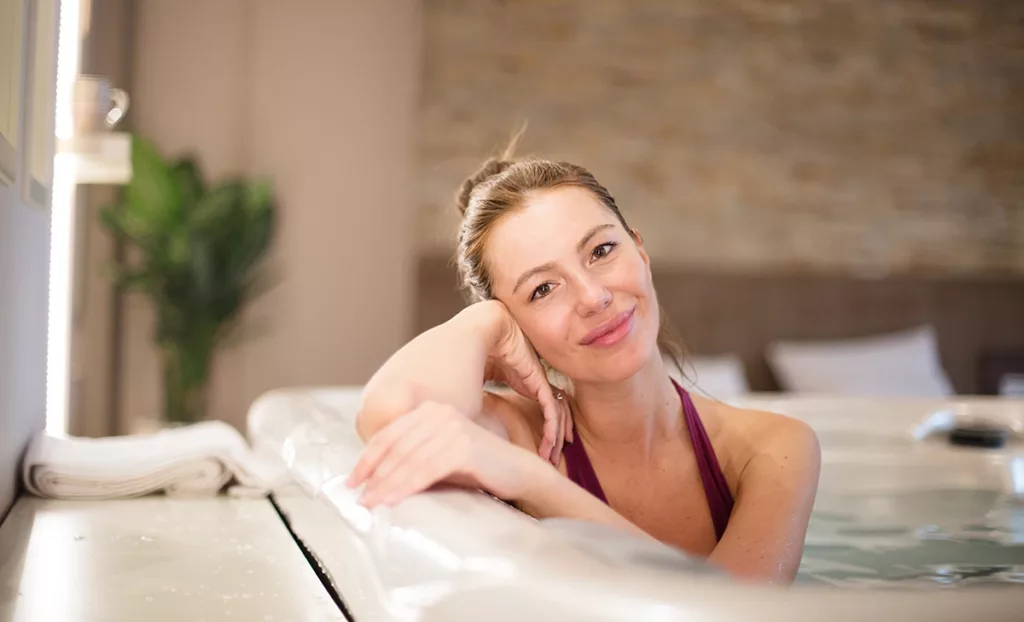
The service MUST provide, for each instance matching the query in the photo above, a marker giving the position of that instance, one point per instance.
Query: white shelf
(101, 158)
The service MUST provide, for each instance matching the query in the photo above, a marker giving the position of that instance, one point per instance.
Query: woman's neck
(638, 412)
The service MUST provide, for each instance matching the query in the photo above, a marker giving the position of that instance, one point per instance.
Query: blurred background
(799, 169)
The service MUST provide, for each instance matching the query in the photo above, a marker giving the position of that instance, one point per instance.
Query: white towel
(197, 459)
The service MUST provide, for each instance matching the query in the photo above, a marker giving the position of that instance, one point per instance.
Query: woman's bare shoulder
(747, 433)
(520, 416)
(760, 424)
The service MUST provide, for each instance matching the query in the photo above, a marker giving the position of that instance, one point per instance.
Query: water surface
(919, 540)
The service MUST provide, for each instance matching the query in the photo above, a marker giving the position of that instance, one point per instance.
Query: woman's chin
(623, 366)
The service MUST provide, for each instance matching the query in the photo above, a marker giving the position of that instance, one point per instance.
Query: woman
(562, 283)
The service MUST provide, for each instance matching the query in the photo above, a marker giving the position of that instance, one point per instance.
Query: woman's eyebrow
(547, 266)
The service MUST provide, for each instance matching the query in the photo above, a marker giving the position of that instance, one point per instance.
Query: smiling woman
(566, 314)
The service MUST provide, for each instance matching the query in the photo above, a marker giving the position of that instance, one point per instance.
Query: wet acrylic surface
(153, 559)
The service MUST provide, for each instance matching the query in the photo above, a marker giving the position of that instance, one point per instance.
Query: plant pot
(185, 385)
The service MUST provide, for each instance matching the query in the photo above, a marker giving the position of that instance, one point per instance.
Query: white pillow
(899, 364)
(718, 377)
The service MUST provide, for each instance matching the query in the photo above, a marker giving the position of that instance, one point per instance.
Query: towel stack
(197, 459)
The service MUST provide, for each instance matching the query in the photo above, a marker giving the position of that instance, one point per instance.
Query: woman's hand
(513, 362)
(450, 363)
(436, 443)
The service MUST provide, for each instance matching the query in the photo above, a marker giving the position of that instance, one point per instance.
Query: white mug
(97, 105)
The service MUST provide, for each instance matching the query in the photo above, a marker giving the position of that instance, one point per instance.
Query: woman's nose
(594, 296)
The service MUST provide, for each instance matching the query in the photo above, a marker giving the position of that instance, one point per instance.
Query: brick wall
(864, 136)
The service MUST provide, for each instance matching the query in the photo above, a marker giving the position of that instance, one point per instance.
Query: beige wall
(320, 95)
(24, 278)
(865, 135)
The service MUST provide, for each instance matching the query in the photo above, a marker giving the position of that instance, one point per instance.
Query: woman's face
(577, 283)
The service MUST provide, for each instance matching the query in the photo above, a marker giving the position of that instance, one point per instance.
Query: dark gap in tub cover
(314, 563)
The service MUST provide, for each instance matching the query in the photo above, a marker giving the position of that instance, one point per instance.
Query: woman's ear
(639, 240)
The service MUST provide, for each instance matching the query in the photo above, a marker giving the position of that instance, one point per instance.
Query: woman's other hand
(513, 362)
(437, 443)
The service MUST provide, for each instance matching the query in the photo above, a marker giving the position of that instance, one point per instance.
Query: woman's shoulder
(746, 433)
(763, 425)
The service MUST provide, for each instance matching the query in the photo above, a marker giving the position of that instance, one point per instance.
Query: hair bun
(490, 168)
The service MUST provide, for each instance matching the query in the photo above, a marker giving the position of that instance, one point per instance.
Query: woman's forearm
(552, 495)
(462, 345)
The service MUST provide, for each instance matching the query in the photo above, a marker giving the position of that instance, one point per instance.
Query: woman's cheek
(551, 332)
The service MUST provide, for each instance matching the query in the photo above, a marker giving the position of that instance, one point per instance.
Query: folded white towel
(197, 459)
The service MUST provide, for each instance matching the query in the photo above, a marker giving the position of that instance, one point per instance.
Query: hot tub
(903, 524)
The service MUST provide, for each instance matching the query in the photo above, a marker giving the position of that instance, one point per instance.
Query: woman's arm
(765, 537)
(436, 443)
(409, 377)
(552, 495)
(448, 365)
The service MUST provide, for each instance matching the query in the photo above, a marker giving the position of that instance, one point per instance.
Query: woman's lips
(612, 331)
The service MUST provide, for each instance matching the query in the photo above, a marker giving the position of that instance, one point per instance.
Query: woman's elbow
(379, 408)
(757, 565)
(780, 575)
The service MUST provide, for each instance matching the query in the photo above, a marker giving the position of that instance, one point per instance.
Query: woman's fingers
(425, 470)
(379, 446)
(414, 471)
(552, 420)
(535, 385)
(409, 441)
(405, 459)
(556, 450)
(567, 426)
(525, 373)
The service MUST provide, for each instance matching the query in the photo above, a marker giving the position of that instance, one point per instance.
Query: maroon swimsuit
(716, 490)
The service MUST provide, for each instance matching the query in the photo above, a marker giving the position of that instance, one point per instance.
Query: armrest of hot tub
(155, 558)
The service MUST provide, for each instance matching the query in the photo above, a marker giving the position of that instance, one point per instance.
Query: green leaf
(189, 179)
(178, 248)
(112, 218)
(213, 211)
(259, 196)
(203, 272)
(152, 196)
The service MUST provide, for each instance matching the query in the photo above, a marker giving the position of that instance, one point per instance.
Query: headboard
(728, 312)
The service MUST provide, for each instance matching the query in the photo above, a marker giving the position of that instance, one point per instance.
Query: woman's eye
(542, 290)
(603, 250)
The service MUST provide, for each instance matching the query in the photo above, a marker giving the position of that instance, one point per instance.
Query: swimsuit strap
(716, 489)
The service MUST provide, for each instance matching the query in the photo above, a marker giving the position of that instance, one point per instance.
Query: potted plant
(197, 252)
